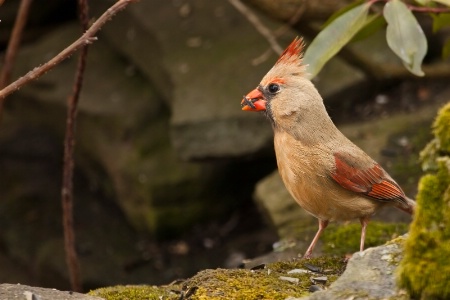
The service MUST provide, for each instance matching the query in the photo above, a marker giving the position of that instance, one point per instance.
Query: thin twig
(87, 38)
(436, 10)
(293, 20)
(69, 145)
(262, 29)
(13, 45)
(425, 9)
(279, 32)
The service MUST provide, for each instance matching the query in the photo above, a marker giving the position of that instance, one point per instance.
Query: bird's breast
(305, 171)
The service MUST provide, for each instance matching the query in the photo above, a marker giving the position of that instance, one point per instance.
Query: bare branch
(293, 20)
(436, 10)
(69, 145)
(87, 38)
(279, 32)
(13, 45)
(263, 30)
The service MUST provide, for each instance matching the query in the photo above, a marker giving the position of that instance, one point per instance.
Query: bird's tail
(409, 206)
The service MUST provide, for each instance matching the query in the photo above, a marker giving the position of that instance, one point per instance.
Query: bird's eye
(273, 88)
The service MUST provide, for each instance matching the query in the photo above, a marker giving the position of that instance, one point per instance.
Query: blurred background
(171, 177)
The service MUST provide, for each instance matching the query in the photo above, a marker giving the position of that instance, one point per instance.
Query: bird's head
(285, 93)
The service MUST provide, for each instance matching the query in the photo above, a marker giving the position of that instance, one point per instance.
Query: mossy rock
(442, 129)
(425, 269)
(134, 292)
(276, 281)
(343, 239)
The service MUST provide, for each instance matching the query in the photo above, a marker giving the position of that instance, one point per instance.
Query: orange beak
(254, 101)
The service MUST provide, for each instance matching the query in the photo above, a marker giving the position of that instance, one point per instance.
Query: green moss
(264, 283)
(425, 269)
(221, 284)
(441, 129)
(242, 284)
(440, 145)
(342, 239)
(134, 292)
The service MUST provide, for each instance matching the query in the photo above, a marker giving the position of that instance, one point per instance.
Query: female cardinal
(328, 175)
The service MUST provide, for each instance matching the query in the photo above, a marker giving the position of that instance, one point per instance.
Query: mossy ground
(221, 284)
(134, 292)
(340, 239)
(425, 269)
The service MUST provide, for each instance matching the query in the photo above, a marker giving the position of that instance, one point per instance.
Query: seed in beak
(248, 102)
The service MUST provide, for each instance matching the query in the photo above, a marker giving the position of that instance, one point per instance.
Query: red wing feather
(372, 182)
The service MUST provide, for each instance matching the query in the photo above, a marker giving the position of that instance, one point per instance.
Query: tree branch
(436, 10)
(13, 45)
(263, 30)
(87, 38)
(69, 146)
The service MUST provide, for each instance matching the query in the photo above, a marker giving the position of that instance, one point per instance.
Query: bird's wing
(371, 181)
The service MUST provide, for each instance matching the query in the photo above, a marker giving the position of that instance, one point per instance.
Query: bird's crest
(293, 54)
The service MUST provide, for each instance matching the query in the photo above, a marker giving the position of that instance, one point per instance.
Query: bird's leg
(322, 225)
(364, 221)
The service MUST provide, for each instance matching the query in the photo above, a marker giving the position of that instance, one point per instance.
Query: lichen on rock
(275, 281)
(425, 269)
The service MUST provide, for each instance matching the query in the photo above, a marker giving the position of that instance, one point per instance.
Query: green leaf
(440, 21)
(330, 40)
(405, 36)
(446, 49)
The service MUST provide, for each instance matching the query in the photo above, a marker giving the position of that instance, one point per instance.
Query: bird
(327, 174)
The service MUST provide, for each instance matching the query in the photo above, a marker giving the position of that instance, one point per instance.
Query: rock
(39, 19)
(25, 292)
(368, 276)
(315, 288)
(310, 10)
(123, 131)
(320, 279)
(206, 69)
(203, 71)
(281, 210)
(338, 80)
(125, 167)
(290, 279)
(430, 230)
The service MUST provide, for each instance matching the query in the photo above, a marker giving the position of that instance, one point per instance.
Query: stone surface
(281, 210)
(25, 292)
(126, 173)
(309, 9)
(338, 80)
(206, 69)
(123, 129)
(369, 275)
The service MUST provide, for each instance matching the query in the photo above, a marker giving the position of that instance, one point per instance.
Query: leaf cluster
(404, 35)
